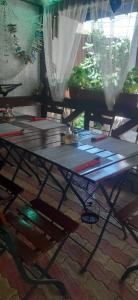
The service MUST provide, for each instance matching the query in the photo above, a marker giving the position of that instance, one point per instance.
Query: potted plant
(86, 78)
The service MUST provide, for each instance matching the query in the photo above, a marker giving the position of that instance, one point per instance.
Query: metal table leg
(69, 185)
(112, 205)
(45, 181)
(21, 160)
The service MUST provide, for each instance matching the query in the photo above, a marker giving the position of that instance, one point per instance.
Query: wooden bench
(35, 229)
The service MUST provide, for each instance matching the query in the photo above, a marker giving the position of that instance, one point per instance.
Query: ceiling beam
(37, 3)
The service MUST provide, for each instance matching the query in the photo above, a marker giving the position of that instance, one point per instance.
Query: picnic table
(94, 161)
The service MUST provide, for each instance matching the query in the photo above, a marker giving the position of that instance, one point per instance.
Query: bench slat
(25, 228)
(51, 229)
(57, 216)
(9, 185)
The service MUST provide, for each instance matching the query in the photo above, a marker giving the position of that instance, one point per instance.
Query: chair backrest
(10, 185)
(41, 225)
(105, 122)
(129, 214)
(19, 251)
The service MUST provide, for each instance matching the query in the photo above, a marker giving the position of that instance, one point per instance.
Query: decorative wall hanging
(6, 40)
(29, 56)
(20, 38)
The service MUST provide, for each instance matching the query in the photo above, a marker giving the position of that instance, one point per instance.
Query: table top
(43, 139)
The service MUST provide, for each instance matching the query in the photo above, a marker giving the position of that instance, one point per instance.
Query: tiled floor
(101, 281)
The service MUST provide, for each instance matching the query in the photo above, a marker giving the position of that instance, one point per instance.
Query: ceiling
(127, 4)
(36, 2)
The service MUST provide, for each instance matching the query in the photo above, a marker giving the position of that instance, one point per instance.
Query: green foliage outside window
(131, 83)
(88, 74)
(79, 122)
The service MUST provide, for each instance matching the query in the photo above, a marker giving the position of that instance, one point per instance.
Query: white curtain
(114, 39)
(61, 41)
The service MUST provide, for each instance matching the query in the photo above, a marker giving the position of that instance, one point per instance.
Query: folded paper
(38, 119)
(99, 137)
(87, 165)
(11, 133)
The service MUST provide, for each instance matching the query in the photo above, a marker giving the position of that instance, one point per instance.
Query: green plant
(91, 67)
(131, 83)
(79, 122)
(88, 74)
(78, 78)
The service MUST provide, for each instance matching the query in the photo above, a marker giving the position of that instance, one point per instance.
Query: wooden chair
(8, 191)
(128, 216)
(34, 230)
